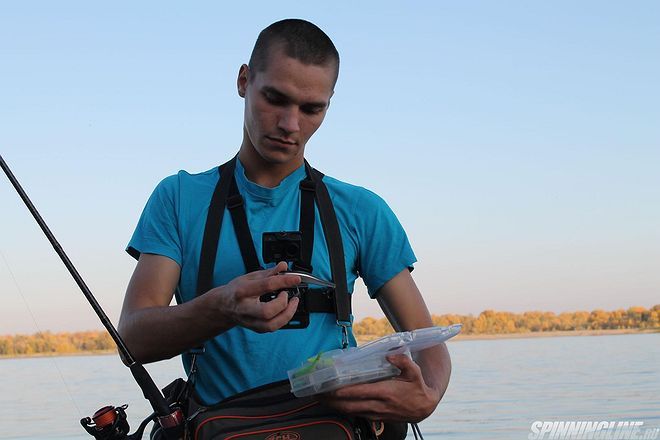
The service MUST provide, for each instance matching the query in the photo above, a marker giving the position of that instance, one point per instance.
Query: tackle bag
(272, 412)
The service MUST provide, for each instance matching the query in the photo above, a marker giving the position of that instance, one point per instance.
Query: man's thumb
(407, 366)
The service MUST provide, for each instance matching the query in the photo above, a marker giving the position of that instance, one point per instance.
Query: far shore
(51, 354)
(623, 331)
(364, 339)
(551, 334)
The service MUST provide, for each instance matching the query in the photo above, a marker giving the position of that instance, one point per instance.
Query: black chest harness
(312, 191)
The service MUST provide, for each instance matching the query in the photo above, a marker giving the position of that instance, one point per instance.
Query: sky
(517, 142)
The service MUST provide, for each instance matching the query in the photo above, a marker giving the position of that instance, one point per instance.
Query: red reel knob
(106, 416)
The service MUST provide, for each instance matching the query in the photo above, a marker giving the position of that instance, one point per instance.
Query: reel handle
(108, 423)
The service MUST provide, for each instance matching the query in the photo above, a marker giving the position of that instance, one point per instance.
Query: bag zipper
(285, 413)
(283, 428)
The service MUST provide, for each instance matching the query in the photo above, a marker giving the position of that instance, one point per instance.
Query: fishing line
(170, 417)
(36, 325)
(416, 431)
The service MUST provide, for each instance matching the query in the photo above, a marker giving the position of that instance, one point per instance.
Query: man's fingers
(257, 274)
(257, 285)
(266, 316)
(410, 371)
(373, 390)
(279, 267)
(279, 317)
(269, 310)
(285, 316)
(256, 288)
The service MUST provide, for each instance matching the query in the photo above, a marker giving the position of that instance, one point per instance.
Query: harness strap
(212, 228)
(307, 195)
(335, 250)
(236, 209)
(320, 300)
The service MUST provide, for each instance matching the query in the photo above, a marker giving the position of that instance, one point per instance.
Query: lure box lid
(338, 368)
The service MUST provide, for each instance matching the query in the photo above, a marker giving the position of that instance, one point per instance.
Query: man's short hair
(300, 39)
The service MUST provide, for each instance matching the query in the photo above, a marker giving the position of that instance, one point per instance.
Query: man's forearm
(154, 331)
(158, 333)
(435, 364)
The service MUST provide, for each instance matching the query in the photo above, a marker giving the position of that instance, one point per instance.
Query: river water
(498, 387)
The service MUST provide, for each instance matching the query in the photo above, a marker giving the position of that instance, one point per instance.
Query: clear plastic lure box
(337, 368)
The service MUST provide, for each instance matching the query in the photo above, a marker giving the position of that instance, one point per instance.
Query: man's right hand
(154, 330)
(239, 299)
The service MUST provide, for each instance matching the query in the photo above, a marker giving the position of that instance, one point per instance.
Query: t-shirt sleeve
(157, 230)
(384, 249)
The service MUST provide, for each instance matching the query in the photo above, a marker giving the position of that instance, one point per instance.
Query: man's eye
(273, 99)
(311, 110)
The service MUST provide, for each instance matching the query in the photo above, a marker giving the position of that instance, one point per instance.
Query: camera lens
(292, 250)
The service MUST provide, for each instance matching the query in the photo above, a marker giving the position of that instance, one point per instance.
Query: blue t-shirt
(172, 225)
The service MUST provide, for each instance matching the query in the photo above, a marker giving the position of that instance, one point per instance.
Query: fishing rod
(109, 423)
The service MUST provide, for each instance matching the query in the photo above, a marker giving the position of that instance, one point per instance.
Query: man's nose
(289, 120)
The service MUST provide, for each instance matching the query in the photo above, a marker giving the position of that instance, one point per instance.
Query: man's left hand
(404, 398)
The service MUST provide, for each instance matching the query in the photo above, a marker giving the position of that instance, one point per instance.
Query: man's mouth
(280, 140)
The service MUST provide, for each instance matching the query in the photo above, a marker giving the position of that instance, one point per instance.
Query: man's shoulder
(199, 177)
(337, 185)
(184, 180)
(359, 195)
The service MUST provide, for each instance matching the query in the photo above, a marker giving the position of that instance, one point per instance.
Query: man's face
(284, 105)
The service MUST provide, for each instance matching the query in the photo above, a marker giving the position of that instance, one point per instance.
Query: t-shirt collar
(246, 185)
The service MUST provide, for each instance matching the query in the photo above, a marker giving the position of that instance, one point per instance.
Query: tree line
(493, 322)
(56, 343)
(487, 322)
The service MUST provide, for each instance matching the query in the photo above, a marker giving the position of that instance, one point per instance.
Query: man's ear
(242, 80)
(330, 99)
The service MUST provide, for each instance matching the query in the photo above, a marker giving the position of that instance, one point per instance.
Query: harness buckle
(344, 332)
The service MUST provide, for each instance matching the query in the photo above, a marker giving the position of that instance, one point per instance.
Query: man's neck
(263, 173)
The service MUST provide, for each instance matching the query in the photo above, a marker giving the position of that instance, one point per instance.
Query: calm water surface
(498, 387)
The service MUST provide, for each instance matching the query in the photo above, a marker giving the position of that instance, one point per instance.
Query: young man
(287, 88)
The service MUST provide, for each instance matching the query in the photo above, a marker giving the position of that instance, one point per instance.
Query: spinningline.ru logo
(604, 430)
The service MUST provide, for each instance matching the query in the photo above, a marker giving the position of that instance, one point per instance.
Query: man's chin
(279, 157)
